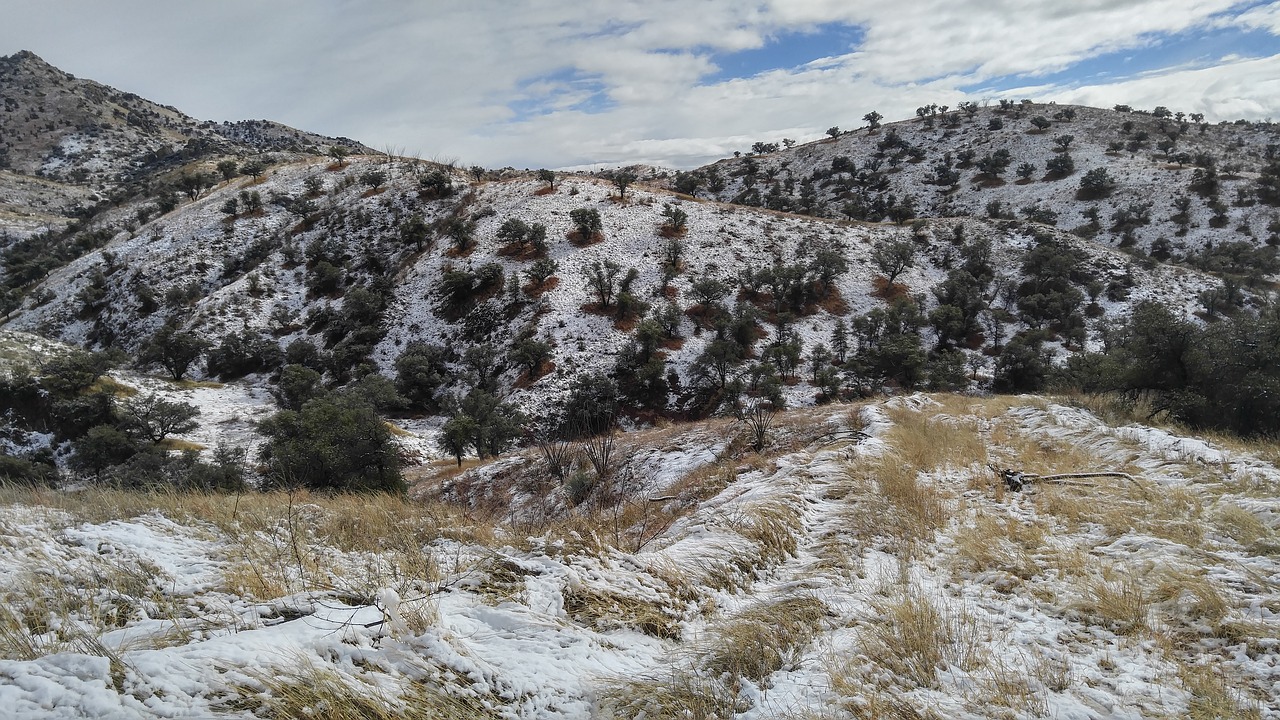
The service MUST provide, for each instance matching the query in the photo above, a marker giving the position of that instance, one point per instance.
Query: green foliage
(586, 223)
(1097, 183)
(243, 353)
(893, 257)
(297, 385)
(335, 442)
(889, 345)
(592, 406)
(1022, 365)
(530, 353)
(101, 447)
(21, 471)
(421, 370)
(482, 422)
(602, 281)
(173, 349)
(153, 418)
(1223, 375)
(540, 270)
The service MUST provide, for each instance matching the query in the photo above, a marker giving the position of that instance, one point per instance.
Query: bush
(1097, 183)
(335, 442)
(421, 370)
(243, 353)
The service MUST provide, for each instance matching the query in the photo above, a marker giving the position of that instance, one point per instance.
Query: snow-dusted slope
(1144, 174)
(819, 580)
(203, 257)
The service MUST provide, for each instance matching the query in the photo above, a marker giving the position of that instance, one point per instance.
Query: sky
(554, 83)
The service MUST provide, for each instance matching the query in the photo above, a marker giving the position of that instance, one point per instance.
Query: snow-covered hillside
(218, 275)
(847, 173)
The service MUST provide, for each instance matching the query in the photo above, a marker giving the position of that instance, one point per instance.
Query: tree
(338, 152)
(173, 349)
(676, 217)
(513, 232)
(1026, 170)
(622, 179)
(894, 257)
(834, 131)
(530, 353)
(586, 222)
(602, 279)
(456, 435)
(155, 418)
(1041, 123)
(191, 184)
(100, 448)
(994, 164)
(254, 168)
(228, 169)
(1097, 183)
(548, 177)
(336, 442)
(873, 119)
(415, 231)
(484, 422)
(540, 270)
(421, 370)
(687, 183)
(297, 385)
(373, 179)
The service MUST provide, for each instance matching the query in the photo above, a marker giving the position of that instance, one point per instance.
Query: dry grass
(913, 636)
(115, 387)
(930, 443)
(58, 605)
(764, 639)
(303, 690)
(1211, 698)
(609, 610)
(679, 694)
(1241, 525)
(1009, 686)
(1003, 545)
(1118, 602)
(1189, 598)
(179, 445)
(868, 698)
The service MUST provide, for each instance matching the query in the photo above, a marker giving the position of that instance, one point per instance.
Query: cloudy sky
(557, 83)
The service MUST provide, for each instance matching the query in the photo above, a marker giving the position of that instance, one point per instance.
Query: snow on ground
(795, 588)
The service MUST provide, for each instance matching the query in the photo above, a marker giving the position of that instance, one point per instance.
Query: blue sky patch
(566, 89)
(787, 50)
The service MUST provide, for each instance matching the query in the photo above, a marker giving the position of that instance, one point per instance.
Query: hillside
(219, 275)
(68, 145)
(934, 165)
(867, 564)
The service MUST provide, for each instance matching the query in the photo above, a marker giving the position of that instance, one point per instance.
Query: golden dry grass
(913, 636)
(764, 639)
(1005, 545)
(303, 690)
(609, 610)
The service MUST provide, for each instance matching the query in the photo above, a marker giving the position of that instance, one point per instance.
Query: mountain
(68, 145)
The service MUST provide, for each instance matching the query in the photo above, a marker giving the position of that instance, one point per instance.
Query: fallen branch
(1016, 481)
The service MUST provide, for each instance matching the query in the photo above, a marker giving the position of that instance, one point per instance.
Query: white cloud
(1240, 89)
(440, 78)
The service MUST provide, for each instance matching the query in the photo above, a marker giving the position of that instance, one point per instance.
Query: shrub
(335, 442)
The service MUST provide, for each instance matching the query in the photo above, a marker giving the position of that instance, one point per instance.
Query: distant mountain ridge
(68, 143)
